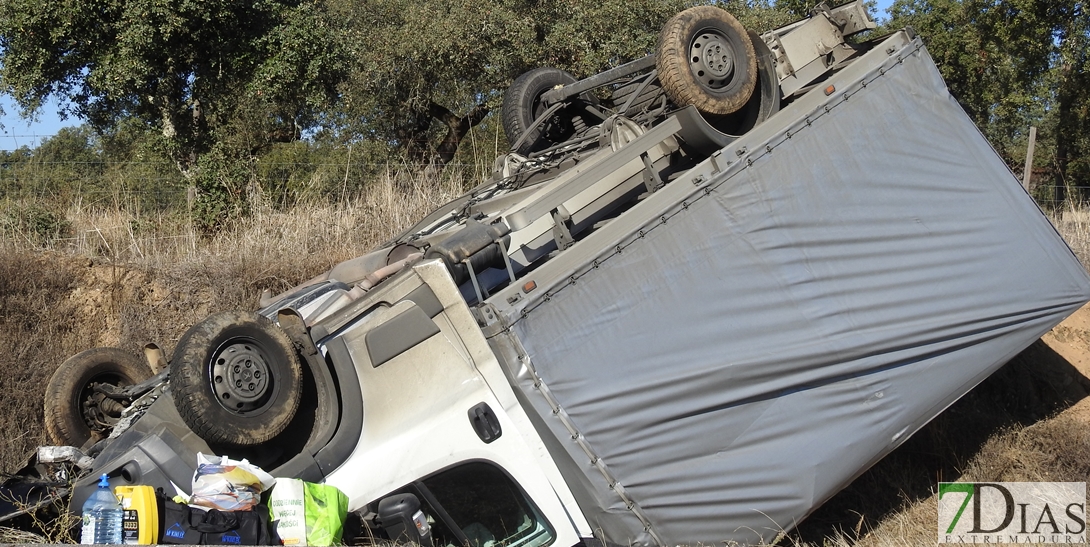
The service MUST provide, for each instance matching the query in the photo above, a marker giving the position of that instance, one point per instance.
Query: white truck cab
(441, 421)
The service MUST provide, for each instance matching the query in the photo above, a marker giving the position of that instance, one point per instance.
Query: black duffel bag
(179, 524)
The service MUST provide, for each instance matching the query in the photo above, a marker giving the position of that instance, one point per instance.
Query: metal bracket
(296, 328)
(595, 171)
(651, 177)
(481, 295)
(133, 391)
(506, 260)
(562, 228)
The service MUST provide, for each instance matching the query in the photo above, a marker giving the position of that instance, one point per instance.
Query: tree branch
(457, 128)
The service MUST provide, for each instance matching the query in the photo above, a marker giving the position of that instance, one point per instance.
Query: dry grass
(1074, 225)
(1053, 450)
(37, 333)
(124, 278)
(324, 232)
(13, 536)
(47, 526)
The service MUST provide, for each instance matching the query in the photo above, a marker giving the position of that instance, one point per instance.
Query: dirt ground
(1071, 341)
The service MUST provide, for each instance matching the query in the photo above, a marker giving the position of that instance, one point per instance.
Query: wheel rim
(711, 59)
(241, 377)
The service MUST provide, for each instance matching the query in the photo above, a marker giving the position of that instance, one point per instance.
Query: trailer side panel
(724, 370)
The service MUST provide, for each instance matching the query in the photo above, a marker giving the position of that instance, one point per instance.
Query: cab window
(477, 505)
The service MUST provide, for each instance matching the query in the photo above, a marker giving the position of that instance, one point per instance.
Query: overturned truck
(702, 293)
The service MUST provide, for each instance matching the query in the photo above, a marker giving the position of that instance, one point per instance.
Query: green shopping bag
(326, 509)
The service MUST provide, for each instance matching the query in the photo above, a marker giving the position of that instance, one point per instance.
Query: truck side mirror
(402, 520)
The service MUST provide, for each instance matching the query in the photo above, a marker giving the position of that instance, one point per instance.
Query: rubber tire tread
(193, 395)
(520, 100)
(672, 61)
(64, 425)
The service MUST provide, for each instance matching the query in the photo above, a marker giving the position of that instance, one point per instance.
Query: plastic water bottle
(102, 515)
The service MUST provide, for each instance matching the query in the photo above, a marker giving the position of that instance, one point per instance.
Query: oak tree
(1012, 64)
(184, 68)
(426, 71)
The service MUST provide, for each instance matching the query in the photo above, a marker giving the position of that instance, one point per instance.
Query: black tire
(236, 378)
(705, 58)
(764, 102)
(74, 413)
(522, 105)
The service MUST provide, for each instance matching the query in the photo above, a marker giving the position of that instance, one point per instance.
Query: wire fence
(161, 186)
(1055, 197)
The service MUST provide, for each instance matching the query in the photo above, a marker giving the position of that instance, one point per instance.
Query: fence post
(1028, 171)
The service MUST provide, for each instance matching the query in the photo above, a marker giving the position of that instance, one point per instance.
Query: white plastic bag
(286, 503)
(228, 485)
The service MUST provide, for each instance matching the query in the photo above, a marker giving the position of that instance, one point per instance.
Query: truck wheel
(764, 102)
(522, 105)
(236, 378)
(705, 58)
(74, 412)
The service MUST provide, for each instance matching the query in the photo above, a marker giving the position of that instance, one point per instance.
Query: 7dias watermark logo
(1012, 512)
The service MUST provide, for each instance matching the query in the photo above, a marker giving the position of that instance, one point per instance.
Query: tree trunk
(1072, 44)
(414, 137)
(457, 128)
(1064, 132)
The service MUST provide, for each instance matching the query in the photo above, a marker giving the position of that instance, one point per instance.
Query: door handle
(485, 422)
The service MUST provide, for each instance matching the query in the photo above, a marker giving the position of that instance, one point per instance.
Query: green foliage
(77, 165)
(183, 68)
(1012, 64)
(224, 180)
(1070, 82)
(136, 173)
(761, 15)
(164, 83)
(61, 166)
(797, 8)
(291, 173)
(12, 163)
(239, 80)
(426, 71)
(480, 148)
(32, 223)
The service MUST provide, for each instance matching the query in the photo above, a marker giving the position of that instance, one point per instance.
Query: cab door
(427, 409)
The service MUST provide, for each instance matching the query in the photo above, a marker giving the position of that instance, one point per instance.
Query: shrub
(33, 223)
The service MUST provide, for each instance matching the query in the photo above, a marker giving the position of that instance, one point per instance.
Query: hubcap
(711, 58)
(240, 377)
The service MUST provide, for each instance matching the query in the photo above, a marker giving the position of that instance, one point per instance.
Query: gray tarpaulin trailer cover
(792, 311)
